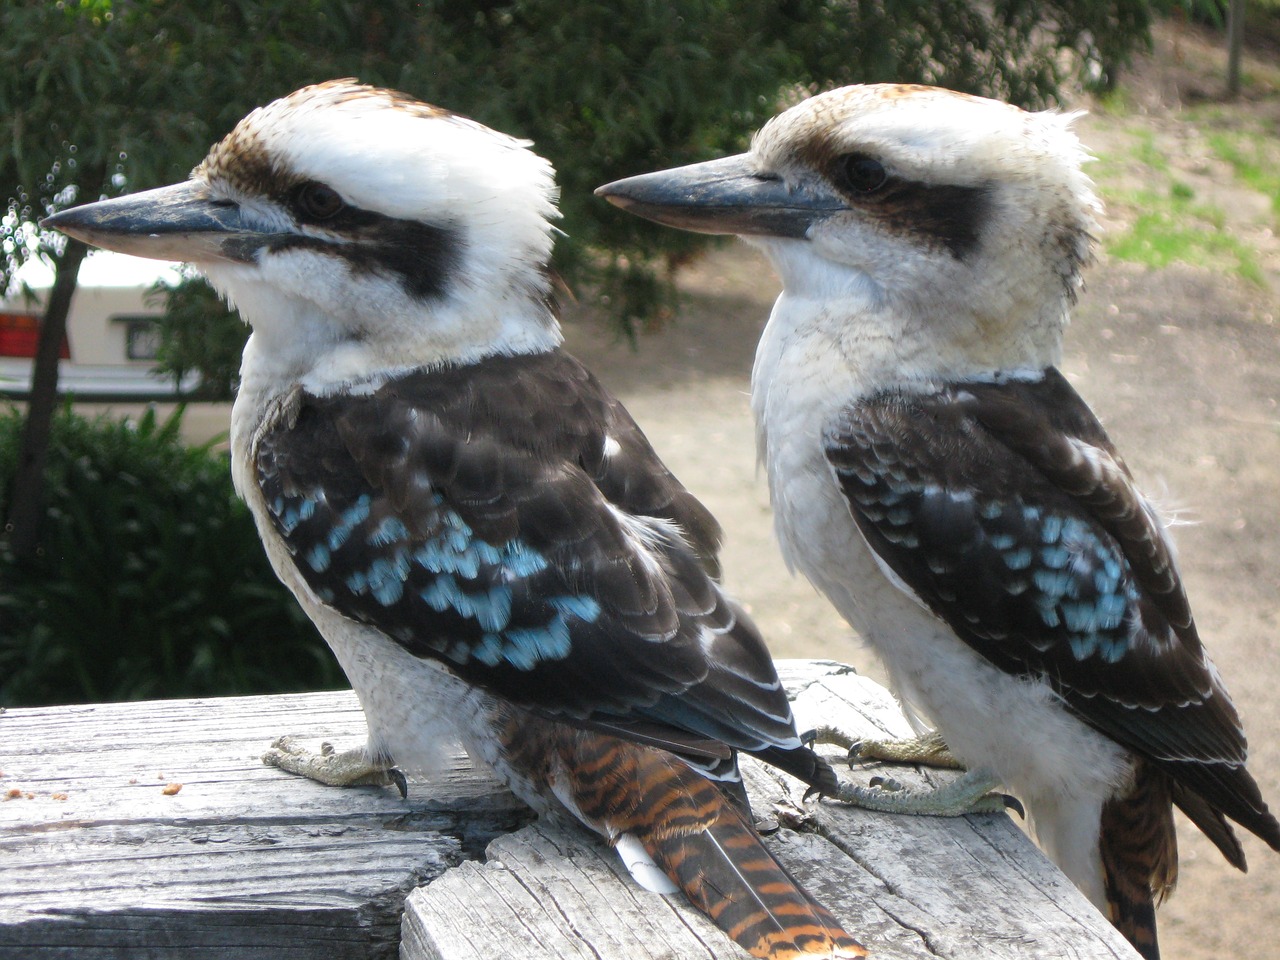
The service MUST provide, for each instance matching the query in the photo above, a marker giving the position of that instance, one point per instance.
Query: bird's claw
(351, 768)
(929, 750)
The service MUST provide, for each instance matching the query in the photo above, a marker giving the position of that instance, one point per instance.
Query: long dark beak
(721, 196)
(178, 222)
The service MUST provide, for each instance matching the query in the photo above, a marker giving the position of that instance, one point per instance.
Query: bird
(486, 540)
(940, 481)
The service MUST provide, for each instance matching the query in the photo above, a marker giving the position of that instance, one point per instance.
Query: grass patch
(1167, 223)
(1170, 227)
(1147, 153)
(1116, 102)
(1255, 160)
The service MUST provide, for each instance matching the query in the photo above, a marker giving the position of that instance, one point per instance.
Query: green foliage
(1210, 12)
(607, 90)
(199, 332)
(137, 91)
(150, 581)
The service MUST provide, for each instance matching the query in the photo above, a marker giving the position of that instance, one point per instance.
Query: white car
(110, 350)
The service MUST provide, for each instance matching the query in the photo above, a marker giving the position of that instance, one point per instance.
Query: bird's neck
(817, 356)
(865, 347)
(907, 320)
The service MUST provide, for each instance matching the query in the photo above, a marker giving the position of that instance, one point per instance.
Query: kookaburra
(935, 475)
(482, 534)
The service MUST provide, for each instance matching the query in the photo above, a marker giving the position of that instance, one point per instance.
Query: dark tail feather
(708, 848)
(1211, 791)
(1139, 849)
(1211, 823)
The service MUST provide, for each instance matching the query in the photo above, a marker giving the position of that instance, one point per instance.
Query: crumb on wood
(59, 796)
(171, 789)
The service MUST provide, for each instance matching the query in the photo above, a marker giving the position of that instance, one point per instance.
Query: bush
(199, 332)
(150, 580)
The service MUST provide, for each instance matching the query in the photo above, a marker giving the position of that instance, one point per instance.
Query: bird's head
(358, 230)
(965, 220)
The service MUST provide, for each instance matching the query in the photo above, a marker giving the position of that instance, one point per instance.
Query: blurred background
(129, 570)
(113, 584)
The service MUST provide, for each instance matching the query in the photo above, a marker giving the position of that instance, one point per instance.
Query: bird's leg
(929, 750)
(350, 768)
(970, 793)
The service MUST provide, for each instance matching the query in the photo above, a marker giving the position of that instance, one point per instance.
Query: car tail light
(19, 334)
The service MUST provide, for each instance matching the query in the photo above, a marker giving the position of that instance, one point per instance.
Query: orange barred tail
(727, 873)
(1139, 850)
(706, 845)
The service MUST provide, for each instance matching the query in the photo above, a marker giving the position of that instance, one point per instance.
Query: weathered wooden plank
(929, 886)
(558, 893)
(97, 861)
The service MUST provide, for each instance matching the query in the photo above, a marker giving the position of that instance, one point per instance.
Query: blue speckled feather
(1006, 510)
(508, 519)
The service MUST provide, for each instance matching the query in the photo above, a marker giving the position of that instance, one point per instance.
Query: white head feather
(1002, 304)
(326, 322)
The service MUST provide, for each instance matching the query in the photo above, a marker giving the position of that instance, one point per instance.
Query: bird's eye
(318, 202)
(863, 174)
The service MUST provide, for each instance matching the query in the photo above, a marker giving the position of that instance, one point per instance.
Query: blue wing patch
(347, 548)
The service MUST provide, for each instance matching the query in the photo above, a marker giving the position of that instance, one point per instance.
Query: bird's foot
(972, 792)
(350, 768)
(929, 750)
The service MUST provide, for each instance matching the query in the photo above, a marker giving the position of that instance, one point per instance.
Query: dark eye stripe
(945, 215)
(948, 215)
(421, 255)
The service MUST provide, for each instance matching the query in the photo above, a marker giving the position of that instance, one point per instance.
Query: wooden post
(1235, 45)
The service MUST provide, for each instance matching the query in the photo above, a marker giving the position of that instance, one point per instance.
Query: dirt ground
(1182, 365)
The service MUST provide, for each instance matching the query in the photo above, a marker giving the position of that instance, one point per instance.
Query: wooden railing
(153, 830)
